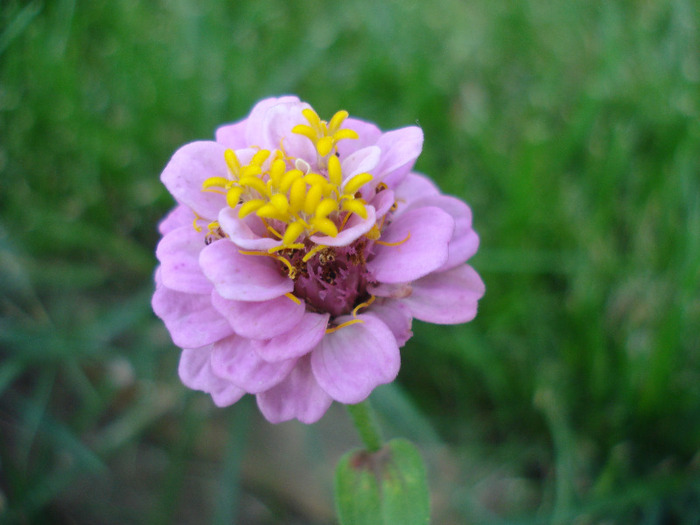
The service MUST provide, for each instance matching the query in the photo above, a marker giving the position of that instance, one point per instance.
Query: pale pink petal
(354, 229)
(361, 161)
(447, 297)
(235, 360)
(400, 149)
(179, 216)
(232, 136)
(246, 233)
(275, 128)
(397, 316)
(257, 116)
(382, 202)
(243, 277)
(191, 319)
(465, 241)
(424, 235)
(298, 396)
(368, 136)
(414, 186)
(195, 373)
(178, 253)
(296, 342)
(260, 320)
(350, 362)
(189, 167)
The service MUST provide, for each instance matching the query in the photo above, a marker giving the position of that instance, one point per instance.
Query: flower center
(294, 201)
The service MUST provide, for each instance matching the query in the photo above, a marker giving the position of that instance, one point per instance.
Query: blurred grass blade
(17, 26)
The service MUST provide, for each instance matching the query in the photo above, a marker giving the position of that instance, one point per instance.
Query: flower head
(298, 254)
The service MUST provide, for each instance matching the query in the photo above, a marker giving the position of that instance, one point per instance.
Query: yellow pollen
(324, 136)
(384, 243)
(363, 305)
(346, 323)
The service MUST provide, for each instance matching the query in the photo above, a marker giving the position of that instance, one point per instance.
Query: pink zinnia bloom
(298, 254)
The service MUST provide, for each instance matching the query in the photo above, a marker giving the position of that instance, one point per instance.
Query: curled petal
(260, 320)
(178, 253)
(248, 233)
(361, 161)
(400, 149)
(189, 167)
(350, 362)
(274, 128)
(243, 277)
(195, 372)
(298, 396)
(234, 360)
(419, 239)
(355, 228)
(448, 297)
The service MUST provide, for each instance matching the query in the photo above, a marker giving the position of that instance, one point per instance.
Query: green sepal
(387, 487)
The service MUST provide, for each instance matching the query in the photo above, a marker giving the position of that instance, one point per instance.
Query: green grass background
(572, 127)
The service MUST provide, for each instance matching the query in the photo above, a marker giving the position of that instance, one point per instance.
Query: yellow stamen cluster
(292, 200)
(324, 135)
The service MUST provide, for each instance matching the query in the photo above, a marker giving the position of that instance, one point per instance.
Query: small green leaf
(387, 487)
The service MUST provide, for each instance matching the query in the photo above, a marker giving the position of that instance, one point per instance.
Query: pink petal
(465, 241)
(195, 373)
(178, 253)
(274, 127)
(413, 187)
(424, 251)
(233, 135)
(382, 202)
(179, 216)
(260, 320)
(354, 229)
(400, 149)
(390, 291)
(191, 165)
(447, 297)
(298, 396)
(368, 136)
(361, 161)
(191, 319)
(397, 316)
(235, 360)
(246, 233)
(243, 277)
(296, 342)
(351, 362)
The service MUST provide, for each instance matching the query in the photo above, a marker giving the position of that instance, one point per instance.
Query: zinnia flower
(298, 254)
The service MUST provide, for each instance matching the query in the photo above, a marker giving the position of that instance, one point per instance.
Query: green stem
(366, 424)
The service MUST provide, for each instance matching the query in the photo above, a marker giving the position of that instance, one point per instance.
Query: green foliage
(571, 127)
